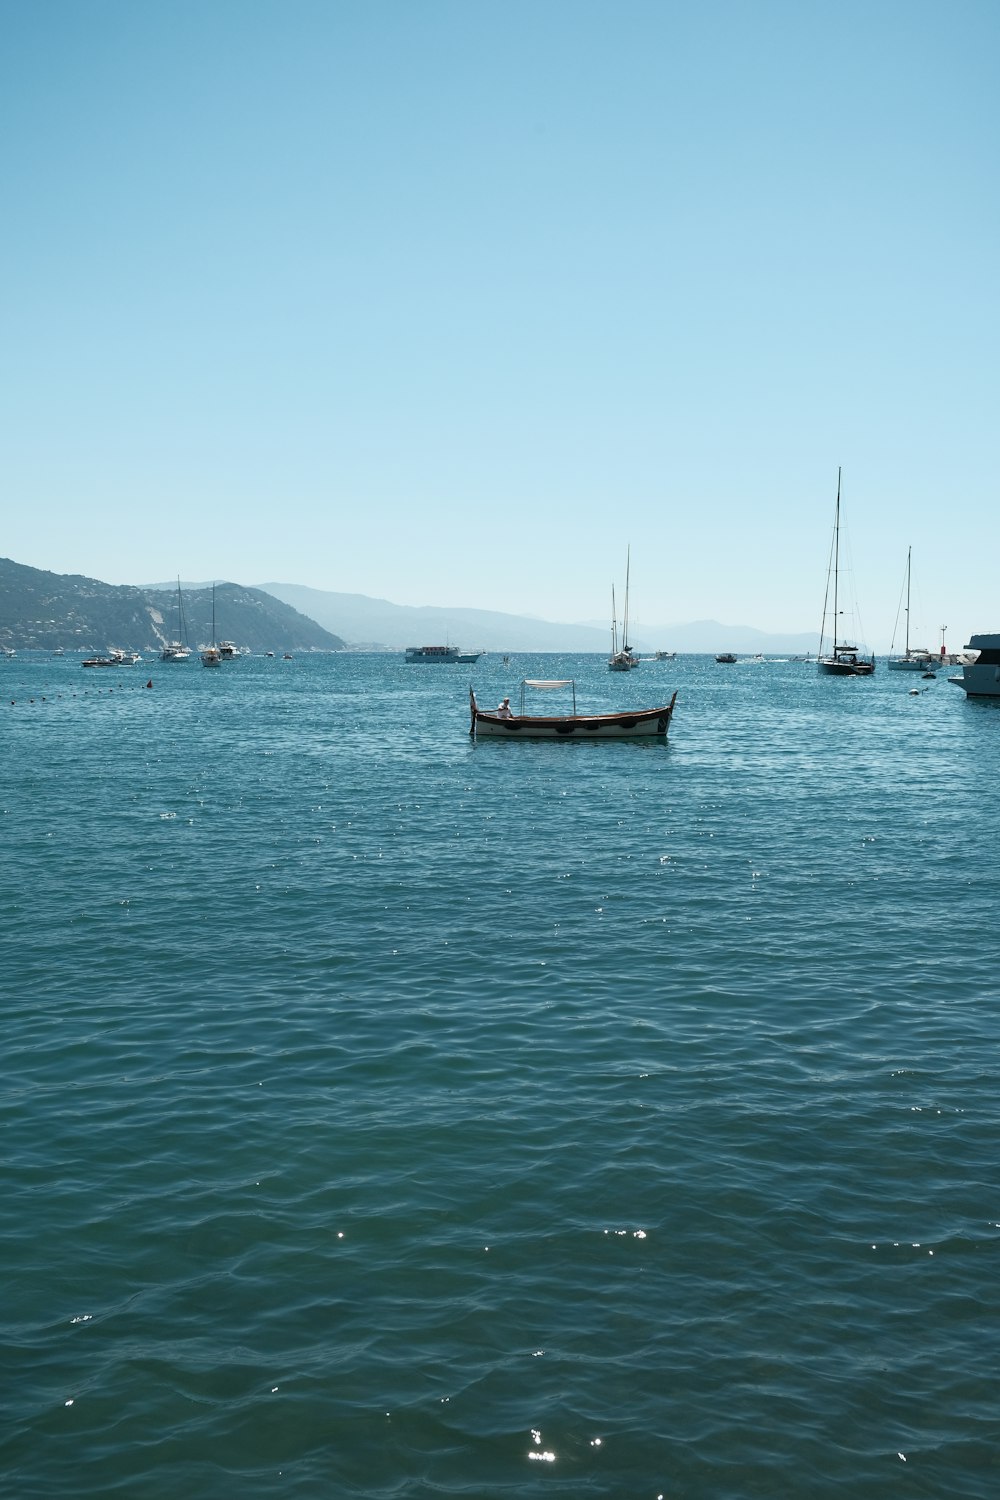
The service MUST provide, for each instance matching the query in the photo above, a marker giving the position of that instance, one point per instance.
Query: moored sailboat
(623, 660)
(844, 659)
(211, 656)
(178, 650)
(914, 658)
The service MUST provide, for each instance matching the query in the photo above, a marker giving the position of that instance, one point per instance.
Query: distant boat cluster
(212, 655)
(837, 656)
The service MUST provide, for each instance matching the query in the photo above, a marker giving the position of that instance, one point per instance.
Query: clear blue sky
(447, 302)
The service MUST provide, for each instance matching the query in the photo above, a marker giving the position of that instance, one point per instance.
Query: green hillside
(45, 611)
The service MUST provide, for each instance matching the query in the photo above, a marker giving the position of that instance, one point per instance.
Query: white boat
(113, 659)
(622, 659)
(980, 667)
(843, 660)
(229, 651)
(914, 658)
(632, 724)
(433, 653)
(665, 656)
(177, 650)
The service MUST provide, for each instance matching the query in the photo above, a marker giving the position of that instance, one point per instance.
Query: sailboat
(178, 650)
(844, 660)
(914, 658)
(621, 660)
(211, 656)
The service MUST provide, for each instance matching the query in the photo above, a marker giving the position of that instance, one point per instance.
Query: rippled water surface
(389, 1115)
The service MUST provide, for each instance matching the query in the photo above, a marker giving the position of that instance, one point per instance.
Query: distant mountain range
(379, 625)
(44, 611)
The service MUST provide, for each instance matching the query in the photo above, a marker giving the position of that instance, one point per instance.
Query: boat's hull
(833, 668)
(979, 682)
(441, 654)
(646, 723)
(911, 664)
(981, 678)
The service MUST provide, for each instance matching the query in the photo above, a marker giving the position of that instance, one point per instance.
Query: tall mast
(836, 562)
(908, 551)
(614, 624)
(628, 559)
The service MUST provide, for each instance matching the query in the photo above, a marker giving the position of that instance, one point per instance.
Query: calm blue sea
(387, 1115)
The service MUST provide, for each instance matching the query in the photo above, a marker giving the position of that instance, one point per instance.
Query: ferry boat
(981, 667)
(433, 653)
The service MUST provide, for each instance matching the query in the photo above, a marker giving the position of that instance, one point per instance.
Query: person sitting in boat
(505, 711)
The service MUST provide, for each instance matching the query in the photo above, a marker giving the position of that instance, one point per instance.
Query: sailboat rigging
(916, 658)
(211, 656)
(844, 660)
(178, 650)
(621, 660)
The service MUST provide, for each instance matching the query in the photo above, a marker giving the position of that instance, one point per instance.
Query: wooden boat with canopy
(635, 723)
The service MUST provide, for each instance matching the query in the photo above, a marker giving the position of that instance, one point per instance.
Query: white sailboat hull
(925, 663)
